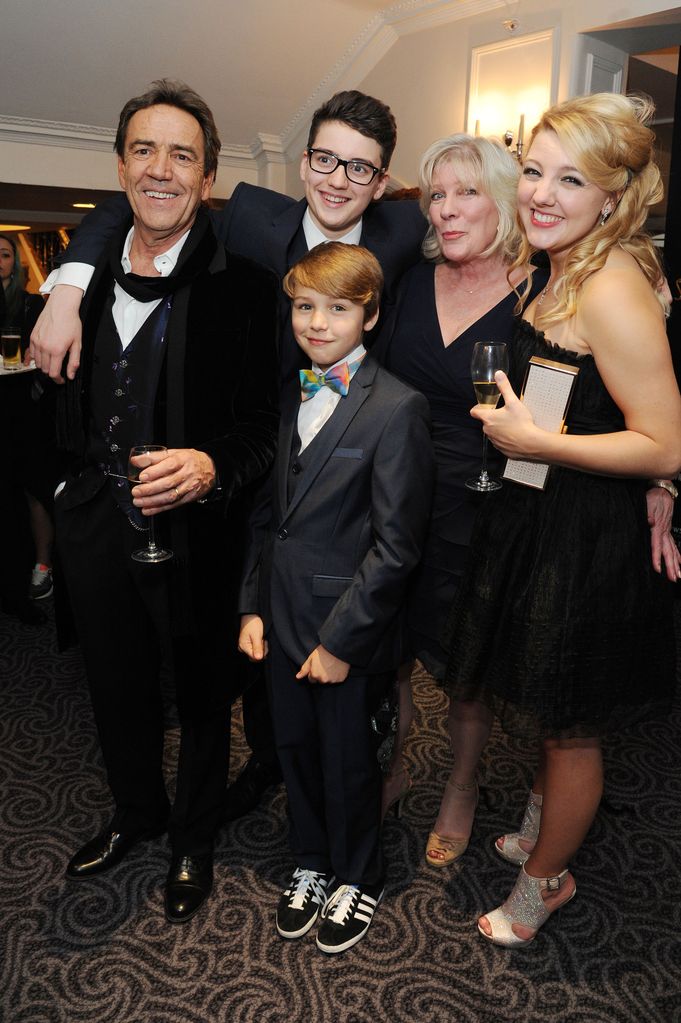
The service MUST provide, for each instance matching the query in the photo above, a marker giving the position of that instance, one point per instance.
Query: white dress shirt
(129, 313)
(314, 412)
(313, 235)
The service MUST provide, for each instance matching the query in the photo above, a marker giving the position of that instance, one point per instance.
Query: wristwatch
(665, 485)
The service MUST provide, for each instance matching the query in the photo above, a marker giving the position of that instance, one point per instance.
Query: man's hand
(171, 478)
(251, 638)
(663, 548)
(322, 666)
(57, 332)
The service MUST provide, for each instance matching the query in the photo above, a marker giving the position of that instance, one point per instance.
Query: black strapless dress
(561, 625)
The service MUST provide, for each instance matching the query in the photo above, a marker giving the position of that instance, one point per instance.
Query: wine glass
(151, 554)
(488, 357)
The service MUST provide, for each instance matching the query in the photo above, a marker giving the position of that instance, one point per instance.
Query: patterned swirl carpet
(102, 952)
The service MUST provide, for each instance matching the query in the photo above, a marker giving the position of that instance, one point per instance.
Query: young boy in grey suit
(333, 544)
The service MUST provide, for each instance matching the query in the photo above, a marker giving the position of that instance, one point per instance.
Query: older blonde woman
(463, 292)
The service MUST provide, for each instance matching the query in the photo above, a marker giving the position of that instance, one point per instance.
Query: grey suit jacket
(331, 566)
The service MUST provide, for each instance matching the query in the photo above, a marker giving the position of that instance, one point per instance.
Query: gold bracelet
(664, 485)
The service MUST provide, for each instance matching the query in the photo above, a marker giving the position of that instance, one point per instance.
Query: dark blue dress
(417, 354)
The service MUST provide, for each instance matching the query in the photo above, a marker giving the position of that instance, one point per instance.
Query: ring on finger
(177, 495)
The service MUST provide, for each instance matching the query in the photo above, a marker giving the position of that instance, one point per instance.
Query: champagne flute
(488, 357)
(151, 554)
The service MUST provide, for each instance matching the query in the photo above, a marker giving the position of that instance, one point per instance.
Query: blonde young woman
(562, 627)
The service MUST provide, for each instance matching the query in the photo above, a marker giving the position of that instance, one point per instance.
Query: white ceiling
(262, 65)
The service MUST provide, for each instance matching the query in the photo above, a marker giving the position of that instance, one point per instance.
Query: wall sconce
(508, 138)
(511, 84)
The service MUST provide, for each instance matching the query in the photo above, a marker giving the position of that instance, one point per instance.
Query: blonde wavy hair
(484, 164)
(607, 137)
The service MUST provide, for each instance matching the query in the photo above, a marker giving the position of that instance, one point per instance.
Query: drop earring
(604, 217)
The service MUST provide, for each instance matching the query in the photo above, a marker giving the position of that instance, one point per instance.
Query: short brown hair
(342, 271)
(166, 92)
(369, 116)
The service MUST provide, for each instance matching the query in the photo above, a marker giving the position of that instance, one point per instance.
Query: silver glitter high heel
(511, 850)
(524, 906)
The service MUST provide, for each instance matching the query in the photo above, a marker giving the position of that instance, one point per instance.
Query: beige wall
(424, 77)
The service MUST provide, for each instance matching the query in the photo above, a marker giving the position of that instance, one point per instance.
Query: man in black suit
(344, 169)
(178, 347)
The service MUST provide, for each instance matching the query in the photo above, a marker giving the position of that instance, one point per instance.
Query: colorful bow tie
(337, 378)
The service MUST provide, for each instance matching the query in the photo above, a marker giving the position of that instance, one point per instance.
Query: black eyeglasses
(357, 171)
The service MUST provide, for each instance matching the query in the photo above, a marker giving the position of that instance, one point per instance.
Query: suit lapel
(284, 228)
(374, 236)
(287, 424)
(326, 441)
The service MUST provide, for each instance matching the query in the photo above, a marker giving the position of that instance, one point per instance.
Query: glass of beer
(11, 349)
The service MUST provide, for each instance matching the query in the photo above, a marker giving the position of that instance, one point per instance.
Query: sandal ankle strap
(462, 788)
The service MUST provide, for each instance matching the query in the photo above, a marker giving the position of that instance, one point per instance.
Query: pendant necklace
(544, 293)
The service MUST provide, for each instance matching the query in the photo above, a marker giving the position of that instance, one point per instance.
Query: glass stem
(483, 471)
(152, 534)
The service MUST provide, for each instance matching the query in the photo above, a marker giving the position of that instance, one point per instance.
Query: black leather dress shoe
(246, 791)
(189, 883)
(105, 851)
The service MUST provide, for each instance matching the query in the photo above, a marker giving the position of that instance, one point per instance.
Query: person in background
(561, 626)
(29, 451)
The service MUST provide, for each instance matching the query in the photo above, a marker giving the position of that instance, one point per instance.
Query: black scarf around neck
(195, 255)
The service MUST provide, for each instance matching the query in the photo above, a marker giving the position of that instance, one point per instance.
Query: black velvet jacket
(218, 394)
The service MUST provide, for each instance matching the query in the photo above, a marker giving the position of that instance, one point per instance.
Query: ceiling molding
(93, 137)
(33, 131)
(418, 15)
(376, 39)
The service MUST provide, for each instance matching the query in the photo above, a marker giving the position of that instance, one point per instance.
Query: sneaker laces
(39, 573)
(308, 885)
(342, 903)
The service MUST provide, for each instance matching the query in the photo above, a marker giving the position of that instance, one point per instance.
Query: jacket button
(296, 468)
(282, 534)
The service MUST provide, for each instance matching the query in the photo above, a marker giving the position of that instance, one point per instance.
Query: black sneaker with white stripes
(301, 902)
(347, 915)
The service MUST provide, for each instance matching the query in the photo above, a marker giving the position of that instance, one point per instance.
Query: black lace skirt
(560, 624)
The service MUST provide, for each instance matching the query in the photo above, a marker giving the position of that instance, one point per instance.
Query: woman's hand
(511, 428)
(665, 553)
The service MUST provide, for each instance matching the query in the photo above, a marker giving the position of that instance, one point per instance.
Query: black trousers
(258, 718)
(121, 612)
(327, 751)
